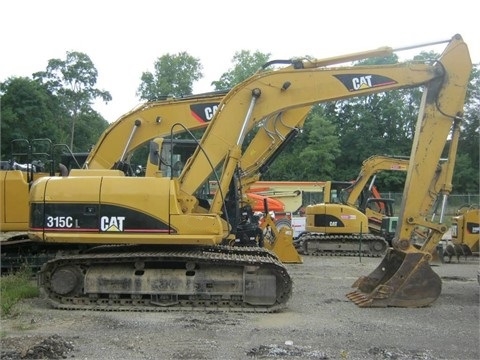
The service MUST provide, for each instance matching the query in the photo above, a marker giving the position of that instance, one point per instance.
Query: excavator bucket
(280, 241)
(403, 279)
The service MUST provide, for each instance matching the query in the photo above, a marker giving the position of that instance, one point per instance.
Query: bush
(15, 287)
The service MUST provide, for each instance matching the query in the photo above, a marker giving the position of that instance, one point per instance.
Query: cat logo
(356, 82)
(204, 112)
(362, 82)
(112, 223)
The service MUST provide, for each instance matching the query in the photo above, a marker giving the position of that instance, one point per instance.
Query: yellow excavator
(163, 245)
(34, 159)
(349, 221)
(152, 121)
(465, 231)
(29, 160)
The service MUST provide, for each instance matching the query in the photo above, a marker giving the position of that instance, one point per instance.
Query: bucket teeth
(359, 298)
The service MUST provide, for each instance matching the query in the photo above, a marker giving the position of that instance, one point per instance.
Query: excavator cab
(168, 156)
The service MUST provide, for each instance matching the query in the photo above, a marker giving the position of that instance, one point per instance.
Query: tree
(173, 76)
(245, 65)
(466, 178)
(90, 126)
(29, 111)
(315, 148)
(73, 81)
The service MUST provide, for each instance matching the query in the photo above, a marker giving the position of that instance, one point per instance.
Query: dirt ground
(319, 323)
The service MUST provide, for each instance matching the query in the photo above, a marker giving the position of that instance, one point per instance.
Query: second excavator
(151, 122)
(113, 150)
(162, 245)
(352, 222)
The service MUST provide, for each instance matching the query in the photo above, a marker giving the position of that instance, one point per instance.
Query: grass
(15, 287)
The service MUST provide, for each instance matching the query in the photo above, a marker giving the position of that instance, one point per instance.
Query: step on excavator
(162, 246)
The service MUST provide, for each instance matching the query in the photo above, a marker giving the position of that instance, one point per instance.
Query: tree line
(56, 103)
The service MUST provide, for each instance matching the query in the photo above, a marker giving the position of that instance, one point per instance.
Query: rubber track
(220, 255)
(342, 239)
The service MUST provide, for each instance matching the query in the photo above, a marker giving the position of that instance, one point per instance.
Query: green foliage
(173, 76)
(379, 124)
(465, 175)
(334, 141)
(15, 287)
(315, 148)
(245, 65)
(73, 79)
(466, 178)
(73, 82)
(89, 126)
(29, 111)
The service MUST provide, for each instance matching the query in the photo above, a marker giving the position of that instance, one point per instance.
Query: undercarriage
(241, 279)
(341, 245)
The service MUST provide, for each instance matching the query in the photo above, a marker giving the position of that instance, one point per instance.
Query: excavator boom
(148, 121)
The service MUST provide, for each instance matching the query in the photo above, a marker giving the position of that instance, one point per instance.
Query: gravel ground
(319, 323)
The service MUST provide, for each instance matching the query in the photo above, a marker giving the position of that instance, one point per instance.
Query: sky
(125, 38)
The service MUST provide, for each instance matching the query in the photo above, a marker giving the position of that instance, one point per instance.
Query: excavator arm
(405, 278)
(270, 93)
(370, 167)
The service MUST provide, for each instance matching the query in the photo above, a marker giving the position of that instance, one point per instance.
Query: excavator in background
(288, 197)
(465, 232)
(350, 221)
(291, 193)
(164, 245)
(31, 160)
(150, 122)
